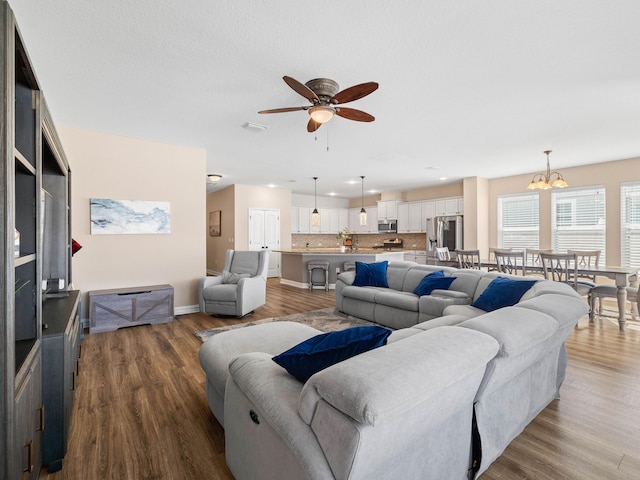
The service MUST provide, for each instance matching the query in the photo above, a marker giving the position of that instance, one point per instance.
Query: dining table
(622, 277)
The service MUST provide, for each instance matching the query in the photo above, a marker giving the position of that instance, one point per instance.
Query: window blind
(578, 220)
(630, 224)
(518, 221)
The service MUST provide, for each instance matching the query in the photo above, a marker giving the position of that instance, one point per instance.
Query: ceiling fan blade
(312, 126)
(353, 114)
(302, 89)
(354, 93)
(282, 110)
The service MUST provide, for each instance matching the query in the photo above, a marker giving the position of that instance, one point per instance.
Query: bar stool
(321, 265)
(348, 266)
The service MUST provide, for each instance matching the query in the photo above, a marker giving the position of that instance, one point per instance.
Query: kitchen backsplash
(411, 241)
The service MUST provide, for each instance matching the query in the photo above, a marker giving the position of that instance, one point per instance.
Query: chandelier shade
(543, 180)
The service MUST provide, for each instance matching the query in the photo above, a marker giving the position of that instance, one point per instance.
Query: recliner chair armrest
(252, 293)
(204, 283)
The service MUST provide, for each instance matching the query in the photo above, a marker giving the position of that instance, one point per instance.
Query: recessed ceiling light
(271, 185)
(443, 178)
(352, 182)
(332, 194)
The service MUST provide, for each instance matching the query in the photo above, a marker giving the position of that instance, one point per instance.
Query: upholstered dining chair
(240, 289)
(563, 267)
(510, 262)
(469, 259)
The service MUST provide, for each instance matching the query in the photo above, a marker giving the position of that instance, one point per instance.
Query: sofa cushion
(433, 281)
(402, 300)
(371, 274)
(502, 292)
(322, 351)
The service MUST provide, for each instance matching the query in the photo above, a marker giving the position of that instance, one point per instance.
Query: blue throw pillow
(502, 292)
(322, 351)
(371, 274)
(433, 281)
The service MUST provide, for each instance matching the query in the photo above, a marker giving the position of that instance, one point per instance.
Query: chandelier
(542, 181)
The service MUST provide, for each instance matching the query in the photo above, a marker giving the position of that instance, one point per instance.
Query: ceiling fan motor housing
(323, 87)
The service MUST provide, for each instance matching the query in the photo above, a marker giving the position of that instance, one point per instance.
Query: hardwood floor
(141, 413)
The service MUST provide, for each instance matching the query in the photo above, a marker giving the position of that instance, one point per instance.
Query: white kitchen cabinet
(372, 220)
(416, 217)
(403, 218)
(461, 205)
(300, 219)
(428, 210)
(387, 210)
(448, 206)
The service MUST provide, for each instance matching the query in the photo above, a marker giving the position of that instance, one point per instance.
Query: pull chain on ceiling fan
(324, 97)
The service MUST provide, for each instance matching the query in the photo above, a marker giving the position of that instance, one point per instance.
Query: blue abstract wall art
(129, 217)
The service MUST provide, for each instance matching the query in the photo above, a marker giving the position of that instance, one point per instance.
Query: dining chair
(469, 259)
(601, 292)
(587, 259)
(532, 259)
(492, 256)
(443, 253)
(510, 262)
(563, 267)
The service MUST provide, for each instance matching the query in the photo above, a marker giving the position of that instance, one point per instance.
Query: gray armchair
(240, 289)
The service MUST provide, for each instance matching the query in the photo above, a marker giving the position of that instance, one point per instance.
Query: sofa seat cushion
(434, 304)
(403, 300)
(321, 351)
(366, 294)
(464, 310)
(227, 292)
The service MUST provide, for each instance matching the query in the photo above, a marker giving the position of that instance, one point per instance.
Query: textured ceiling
(467, 88)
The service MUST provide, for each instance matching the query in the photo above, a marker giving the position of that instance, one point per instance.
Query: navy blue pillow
(322, 351)
(371, 274)
(433, 281)
(502, 292)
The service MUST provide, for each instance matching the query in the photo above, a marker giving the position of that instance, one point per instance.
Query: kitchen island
(294, 269)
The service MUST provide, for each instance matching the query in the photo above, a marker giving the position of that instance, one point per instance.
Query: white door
(264, 234)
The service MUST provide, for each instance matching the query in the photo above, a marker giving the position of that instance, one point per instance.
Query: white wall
(121, 168)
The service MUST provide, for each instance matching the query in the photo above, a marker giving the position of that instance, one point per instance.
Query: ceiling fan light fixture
(321, 113)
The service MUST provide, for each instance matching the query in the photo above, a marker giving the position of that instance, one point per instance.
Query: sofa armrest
(435, 303)
(347, 277)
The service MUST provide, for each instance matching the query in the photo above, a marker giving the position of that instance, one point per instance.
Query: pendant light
(315, 215)
(363, 212)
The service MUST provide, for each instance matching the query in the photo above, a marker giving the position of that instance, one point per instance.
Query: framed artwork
(214, 223)
(129, 217)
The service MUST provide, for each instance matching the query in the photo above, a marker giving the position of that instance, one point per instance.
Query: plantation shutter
(630, 224)
(578, 220)
(518, 221)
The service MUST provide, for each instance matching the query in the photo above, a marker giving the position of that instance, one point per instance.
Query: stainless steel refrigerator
(446, 231)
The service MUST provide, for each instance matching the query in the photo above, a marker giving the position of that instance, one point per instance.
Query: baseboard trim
(291, 283)
(186, 309)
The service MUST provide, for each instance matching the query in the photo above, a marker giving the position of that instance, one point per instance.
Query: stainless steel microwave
(389, 226)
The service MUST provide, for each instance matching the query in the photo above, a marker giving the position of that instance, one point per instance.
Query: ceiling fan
(325, 100)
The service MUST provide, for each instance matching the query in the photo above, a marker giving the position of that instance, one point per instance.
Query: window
(630, 224)
(518, 221)
(578, 220)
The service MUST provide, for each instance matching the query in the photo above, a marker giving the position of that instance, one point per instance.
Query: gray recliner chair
(240, 289)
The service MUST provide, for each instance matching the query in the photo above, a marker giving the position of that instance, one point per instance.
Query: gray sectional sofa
(403, 410)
